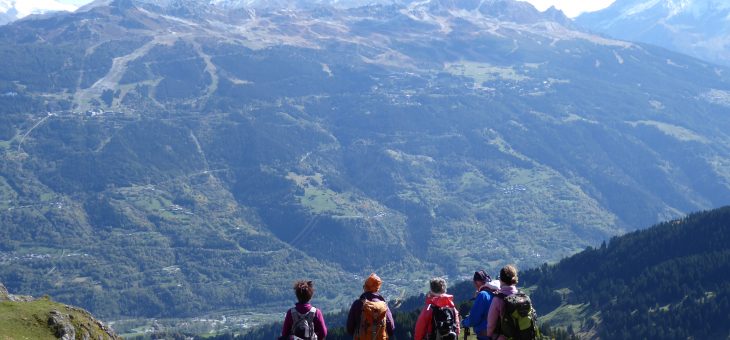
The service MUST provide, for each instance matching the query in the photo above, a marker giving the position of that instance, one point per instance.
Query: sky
(572, 8)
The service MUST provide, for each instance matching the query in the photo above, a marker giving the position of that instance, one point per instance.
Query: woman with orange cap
(369, 316)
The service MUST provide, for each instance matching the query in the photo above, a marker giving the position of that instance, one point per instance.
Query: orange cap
(372, 283)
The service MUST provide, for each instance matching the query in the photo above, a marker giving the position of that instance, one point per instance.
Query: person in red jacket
(436, 298)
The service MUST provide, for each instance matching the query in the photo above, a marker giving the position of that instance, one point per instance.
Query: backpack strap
(498, 328)
(311, 314)
(295, 317)
(430, 334)
(310, 319)
(358, 329)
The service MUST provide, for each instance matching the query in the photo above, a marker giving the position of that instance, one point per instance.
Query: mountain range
(695, 27)
(183, 158)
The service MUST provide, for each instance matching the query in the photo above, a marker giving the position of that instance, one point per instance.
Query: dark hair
(304, 290)
(481, 276)
(508, 275)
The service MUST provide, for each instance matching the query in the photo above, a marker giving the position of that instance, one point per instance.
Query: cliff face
(23, 317)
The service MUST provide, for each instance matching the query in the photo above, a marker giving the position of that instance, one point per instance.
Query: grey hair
(438, 285)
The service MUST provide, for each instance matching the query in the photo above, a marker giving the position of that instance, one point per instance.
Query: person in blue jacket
(477, 317)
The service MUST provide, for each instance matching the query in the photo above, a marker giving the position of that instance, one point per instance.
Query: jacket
(319, 327)
(353, 318)
(423, 324)
(477, 317)
(496, 310)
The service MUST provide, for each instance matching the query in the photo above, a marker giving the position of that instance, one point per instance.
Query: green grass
(483, 72)
(29, 320)
(677, 132)
(567, 315)
(321, 200)
(25, 320)
(150, 201)
(471, 180)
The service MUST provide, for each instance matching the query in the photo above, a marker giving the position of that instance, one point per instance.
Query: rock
(65, 322)
(4, 295)
(61, 325)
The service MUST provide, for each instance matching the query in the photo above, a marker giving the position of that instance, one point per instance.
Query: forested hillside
(671, 281)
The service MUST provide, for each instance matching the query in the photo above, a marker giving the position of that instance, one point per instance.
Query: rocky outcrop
(61, 325)
(65, 322)
(77, 323)
(4, 295)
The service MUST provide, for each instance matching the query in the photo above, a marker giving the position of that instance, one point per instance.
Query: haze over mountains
(170, 160)
(699, 28)
(11, 10)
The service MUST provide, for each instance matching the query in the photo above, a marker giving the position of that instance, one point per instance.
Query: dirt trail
(22, 139)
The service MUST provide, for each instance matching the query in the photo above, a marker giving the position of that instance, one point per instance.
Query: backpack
(303, 325)
(443, 323)
(372, 321)
(518, 320)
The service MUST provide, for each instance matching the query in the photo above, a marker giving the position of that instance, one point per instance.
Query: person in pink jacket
(304, 291)
(508, 286)
(437, 297)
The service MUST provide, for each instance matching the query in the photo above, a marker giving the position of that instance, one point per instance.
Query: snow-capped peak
(672, 8)
(23, 8)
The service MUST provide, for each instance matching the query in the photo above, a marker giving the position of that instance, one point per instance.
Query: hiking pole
(467, 330)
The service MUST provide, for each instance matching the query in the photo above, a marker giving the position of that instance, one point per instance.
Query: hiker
(485, 290)
(439, 319)
(512, 315)
(304, 321)
(508, 280)
(369, 316)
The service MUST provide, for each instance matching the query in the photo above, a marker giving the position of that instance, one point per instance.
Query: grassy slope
(29, 320)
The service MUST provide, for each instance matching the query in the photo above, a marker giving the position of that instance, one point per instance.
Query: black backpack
(519, 319)
(303, 325)
(443, 323)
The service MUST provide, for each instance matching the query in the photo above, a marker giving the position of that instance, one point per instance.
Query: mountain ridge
(697, 28)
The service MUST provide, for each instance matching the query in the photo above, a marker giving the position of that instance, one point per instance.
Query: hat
(372, 283)
(481, 276)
